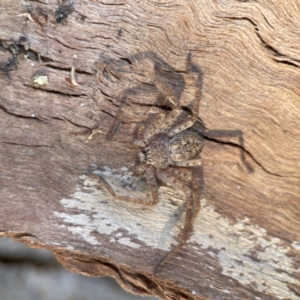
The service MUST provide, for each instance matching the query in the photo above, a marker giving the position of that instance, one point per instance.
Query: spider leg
(199, 162)
(191, 212)
(188, 163)
(192, 119)
(139, 139)
(149, 68)
(161, 123)
(218, 162)
(182, 174)
(166, 91)
(164, 121)
(168, 120)
(151, 180)
(137, 109)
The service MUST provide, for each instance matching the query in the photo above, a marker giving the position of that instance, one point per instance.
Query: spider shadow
(172, 78)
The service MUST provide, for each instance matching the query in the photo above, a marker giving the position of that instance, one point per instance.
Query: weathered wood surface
(246, 242)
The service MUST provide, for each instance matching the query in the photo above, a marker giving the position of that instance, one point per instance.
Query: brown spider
(163, 147)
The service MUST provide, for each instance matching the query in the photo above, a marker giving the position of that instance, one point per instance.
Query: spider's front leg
(137, 109)
(171, 117)
(192, 119)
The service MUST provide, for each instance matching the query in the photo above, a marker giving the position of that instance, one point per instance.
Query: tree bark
(62, 75)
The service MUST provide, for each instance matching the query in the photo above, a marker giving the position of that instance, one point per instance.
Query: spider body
(185, 146)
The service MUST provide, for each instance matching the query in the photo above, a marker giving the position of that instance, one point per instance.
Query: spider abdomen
(185, 146)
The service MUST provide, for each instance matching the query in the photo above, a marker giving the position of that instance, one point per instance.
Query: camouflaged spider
(164, 147)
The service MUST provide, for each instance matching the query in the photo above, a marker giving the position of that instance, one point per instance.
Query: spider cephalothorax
(157, 152)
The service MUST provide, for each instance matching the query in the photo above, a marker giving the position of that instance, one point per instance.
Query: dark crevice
(63, 10)
(267, 21)
(27, 145)
(14, 48)
(102, 37)
(69, 94)
(114, 3)
(75, 124)
(287, 62)
(97, 23)
(109, 98)
(278, 57)
(67, 69)
(129, 279)
(294, 288)
(41, 2)
(24, 234)
(163, 107)
(274, 52)
(63, 44)
(110, 266)
(107, 113)
(21, 116)
(127, 60)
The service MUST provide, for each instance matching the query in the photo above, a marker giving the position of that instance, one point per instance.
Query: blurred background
(31, 274)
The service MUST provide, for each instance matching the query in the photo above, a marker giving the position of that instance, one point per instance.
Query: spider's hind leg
(192, 119)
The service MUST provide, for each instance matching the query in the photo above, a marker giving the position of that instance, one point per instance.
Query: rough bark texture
(246, 240)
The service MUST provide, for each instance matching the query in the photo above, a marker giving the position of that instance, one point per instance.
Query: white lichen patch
(296, 245)
(246, 252)
(39, 80)
(80, 220)
(118, 219)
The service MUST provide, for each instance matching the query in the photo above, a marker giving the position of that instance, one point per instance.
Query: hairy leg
(183, 174)
(136, 109)
(192, 119)
(189, 163)
(198, 162)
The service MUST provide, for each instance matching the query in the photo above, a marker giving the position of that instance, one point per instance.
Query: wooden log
(58, 82)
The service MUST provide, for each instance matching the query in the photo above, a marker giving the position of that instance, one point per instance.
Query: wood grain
(246, 241)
